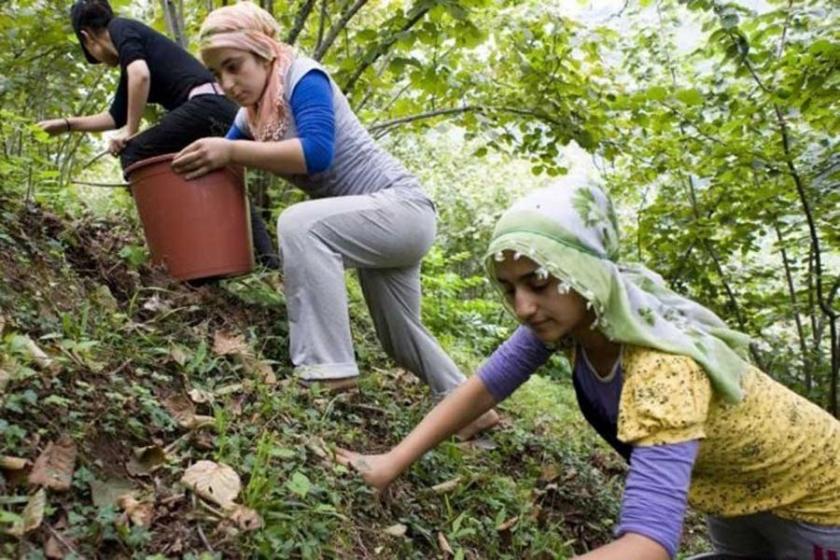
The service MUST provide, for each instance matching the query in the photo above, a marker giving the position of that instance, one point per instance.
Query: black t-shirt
(173, 71)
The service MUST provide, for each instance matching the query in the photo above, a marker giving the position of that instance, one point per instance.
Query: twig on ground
(203, 538)
(62, 540)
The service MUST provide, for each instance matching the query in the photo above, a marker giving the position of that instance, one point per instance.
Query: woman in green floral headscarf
(662, 379)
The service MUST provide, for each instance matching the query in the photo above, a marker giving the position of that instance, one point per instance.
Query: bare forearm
(629, 547)
(465, 404)
(92, 123)
(283, 158)
(138, 93)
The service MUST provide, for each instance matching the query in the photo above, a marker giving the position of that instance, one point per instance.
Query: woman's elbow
(318, 156)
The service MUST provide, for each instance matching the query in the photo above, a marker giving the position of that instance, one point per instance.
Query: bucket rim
(148, 161)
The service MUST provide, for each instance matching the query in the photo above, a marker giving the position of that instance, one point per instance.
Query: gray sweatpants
(383, 236)
(764, 536)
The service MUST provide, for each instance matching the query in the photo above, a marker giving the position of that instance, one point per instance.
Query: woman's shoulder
(301, 65)
(647, 362)
(665, 397)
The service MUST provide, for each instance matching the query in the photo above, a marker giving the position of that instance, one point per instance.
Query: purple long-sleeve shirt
(656, 489)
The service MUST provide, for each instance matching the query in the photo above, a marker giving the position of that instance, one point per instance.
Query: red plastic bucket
(195, 229)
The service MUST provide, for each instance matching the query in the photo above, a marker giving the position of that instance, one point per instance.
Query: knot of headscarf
(248, 27)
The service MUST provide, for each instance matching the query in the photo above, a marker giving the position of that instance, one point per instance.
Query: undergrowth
(123, 345)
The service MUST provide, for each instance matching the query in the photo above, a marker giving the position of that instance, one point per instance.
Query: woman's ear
(266, 62)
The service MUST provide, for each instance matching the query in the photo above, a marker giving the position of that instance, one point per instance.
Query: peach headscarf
(248, 27)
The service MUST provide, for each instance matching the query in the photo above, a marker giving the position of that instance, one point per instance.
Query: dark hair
(94, 15)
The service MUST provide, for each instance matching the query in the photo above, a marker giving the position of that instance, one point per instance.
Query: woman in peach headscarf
(296, 122)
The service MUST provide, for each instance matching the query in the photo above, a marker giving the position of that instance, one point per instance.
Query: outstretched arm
(462, 406)
(91, 123)
(509, 366)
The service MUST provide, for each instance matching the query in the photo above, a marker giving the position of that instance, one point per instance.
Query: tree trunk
(174, 21)
(800, 331)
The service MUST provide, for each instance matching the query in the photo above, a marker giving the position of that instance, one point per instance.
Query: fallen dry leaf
(178, 355)
(41, 359)
(55, 549)
(397, 530)
(317, 446)
(444, 544)
(155, 304)
(246, 518)
(508, 524)
(33, 514)
(176, 546)
(139, 512)
(198, 421)
(479, 443)
(204, 441)
(235, 405)
(549, 472)
(8, 463)
(213, 481)
(5, 377)
(183, 411)
(106, 492)
(54, 467)
(259, 368)
(200, 396)
(447, 486)
(228, 389)
(225, 344)
(146, 460)
(59, 545)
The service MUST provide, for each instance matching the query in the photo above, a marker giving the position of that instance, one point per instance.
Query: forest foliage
(713, 124)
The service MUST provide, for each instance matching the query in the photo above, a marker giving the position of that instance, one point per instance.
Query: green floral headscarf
(572, 233)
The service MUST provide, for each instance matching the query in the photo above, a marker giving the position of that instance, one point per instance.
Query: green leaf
(656, 93)
(283, 453)
(299, 484)
(690, 96)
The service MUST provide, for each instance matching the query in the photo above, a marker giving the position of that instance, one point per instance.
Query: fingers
(194, 147)
(117, 145)
(345, 456)
(352, 459)
(185, 162)
(190, 160)
(201, 171)
(52, 126)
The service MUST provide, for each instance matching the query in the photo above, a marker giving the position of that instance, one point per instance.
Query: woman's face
(536, 301)
(100, 46)
(242, 74)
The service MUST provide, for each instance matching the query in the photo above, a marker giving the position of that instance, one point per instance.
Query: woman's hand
(54, 126)
(378, 470)
(116, 144)
(202, 157)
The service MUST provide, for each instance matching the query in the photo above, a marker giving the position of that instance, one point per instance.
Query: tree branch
(375, 127)
(380, 49)
(383, 128)
(322, 18)
(300, 21)
(335, 30)
(800, 331)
